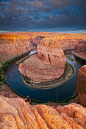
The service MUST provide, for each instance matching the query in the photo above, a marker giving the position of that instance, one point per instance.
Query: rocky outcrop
(81, 86)
(51, 53)
(74, 114)
(48, 63)
(36, 40)
(15, 113)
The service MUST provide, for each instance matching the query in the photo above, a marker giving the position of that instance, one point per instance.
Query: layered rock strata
(51, 53)
(15, 113)
(81, 86)
(48, 63)
(16, 43)
(80, 50)
(12, 46)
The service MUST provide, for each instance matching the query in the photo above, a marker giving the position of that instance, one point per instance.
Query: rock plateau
(48, 63)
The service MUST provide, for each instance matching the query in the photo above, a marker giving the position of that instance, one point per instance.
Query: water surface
(14, 79)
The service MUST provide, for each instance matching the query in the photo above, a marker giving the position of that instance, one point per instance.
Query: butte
(47, 64)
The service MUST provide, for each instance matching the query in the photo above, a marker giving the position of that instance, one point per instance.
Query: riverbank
(68, 73)
(79, 55)
(69, 100)
(70, 57)
(4, 87)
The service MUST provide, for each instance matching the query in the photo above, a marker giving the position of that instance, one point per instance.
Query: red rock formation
(15, 113)
(48, 64)
(11, 46)
(50, 52)
(81, 85)
(15, 43)
(74, 114)
(34, 69)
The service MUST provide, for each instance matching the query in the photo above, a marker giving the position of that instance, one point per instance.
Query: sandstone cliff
(81, 85)
(15, 113)
(47, 65)
(80, 50)
(12, 46)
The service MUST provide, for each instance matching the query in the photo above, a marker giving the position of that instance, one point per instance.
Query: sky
(43, 15)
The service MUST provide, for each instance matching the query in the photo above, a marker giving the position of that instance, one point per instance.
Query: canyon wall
(81, 86)
(13, 45)
(15, 113)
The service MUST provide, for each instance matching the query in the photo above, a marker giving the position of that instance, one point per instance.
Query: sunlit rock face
(47, 64)
(13, 45)
(50, 52)
(15, 113)
(81, 85)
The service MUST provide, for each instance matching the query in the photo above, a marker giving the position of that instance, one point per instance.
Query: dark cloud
(26, 15)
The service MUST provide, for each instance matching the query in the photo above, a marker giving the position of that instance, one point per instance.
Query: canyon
(15, 43)
(15, 113)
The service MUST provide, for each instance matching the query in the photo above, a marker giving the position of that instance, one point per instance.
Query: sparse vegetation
(78, 55)
(70, 57)
(69, 71)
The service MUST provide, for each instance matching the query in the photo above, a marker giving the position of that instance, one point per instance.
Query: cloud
(40, 14)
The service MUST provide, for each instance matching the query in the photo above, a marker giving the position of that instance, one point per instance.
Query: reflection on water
(14, 79)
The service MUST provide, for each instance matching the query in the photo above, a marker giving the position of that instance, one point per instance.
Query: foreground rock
(81, 85)
(15, 113)
(48, 63)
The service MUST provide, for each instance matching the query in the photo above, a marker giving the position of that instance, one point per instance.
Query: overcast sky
(43, 15)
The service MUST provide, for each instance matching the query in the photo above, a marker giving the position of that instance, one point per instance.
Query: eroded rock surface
(81, 85)
(50, 52)
(80, 49)
(48, 63)
(13, 45)
(15, 113)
